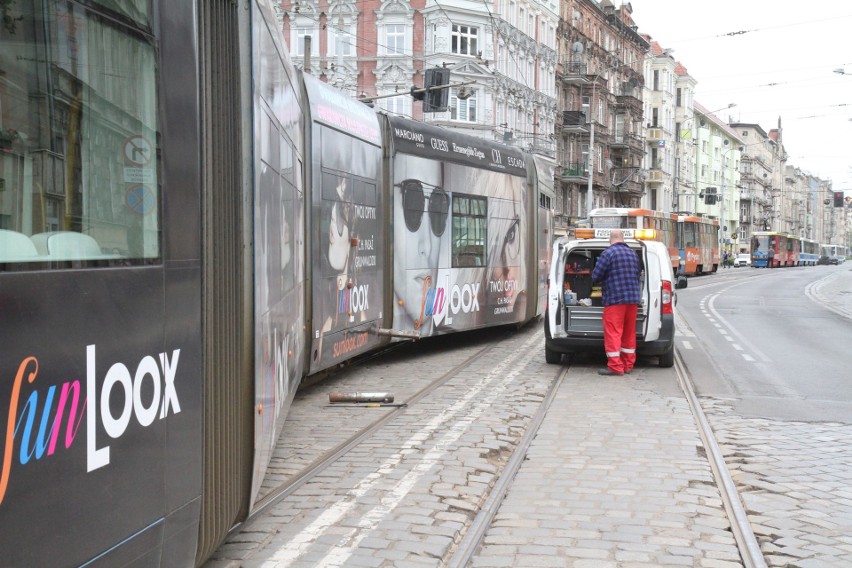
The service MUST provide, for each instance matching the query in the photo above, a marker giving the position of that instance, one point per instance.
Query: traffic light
(710, 196)
(436, 99)
(838, 199)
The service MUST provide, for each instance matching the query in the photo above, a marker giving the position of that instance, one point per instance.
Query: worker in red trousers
(618, 270)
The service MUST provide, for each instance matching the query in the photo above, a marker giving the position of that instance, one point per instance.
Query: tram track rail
(323, 462)
(475, 534)
(470, 538)
(740, 526)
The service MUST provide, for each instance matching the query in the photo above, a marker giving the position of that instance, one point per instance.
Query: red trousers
(619, 322)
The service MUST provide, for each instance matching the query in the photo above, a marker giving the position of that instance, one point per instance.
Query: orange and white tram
(698, 244)
(660, 226)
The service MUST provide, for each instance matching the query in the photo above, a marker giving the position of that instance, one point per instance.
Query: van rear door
(576, 265)
(555, 299)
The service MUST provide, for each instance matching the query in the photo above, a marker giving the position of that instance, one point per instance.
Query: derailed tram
(189, 227)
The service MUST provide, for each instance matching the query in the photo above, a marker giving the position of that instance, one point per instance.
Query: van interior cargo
(578, 275)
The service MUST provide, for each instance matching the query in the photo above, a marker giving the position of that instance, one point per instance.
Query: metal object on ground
(335, 397)
(384, 332)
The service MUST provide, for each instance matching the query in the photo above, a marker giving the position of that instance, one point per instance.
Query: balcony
(574, 73)
(574, 172)
(631, 103)
(654, 135)
(656, 175)
(543, 147)
(623, 140)
(574, 122)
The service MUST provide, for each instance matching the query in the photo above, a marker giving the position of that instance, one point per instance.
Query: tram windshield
(78, 136)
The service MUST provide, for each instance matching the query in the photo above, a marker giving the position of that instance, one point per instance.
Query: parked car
(836, 259)
(573, 320)
(742, 260)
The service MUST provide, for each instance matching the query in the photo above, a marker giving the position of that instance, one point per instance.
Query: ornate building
(599, 92)
(501, 55)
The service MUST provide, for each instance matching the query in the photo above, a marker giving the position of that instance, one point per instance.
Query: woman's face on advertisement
(338, 230)
(506, 250)
(421, 213)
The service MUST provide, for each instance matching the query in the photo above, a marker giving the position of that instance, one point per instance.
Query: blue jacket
(618, 270)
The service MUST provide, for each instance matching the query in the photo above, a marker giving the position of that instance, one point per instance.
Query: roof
(717, 121)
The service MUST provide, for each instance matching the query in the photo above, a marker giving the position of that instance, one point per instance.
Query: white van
(573, 320)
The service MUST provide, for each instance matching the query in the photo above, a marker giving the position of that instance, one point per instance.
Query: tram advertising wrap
(223, 228)
(347, 244)
(279, 280)
(460, 230)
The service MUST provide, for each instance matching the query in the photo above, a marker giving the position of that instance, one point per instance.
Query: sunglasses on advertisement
(414, 205)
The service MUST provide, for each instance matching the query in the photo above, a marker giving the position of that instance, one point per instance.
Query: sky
(773, 59)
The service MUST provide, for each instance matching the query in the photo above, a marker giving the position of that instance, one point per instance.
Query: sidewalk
(835, 289)
(617, 476)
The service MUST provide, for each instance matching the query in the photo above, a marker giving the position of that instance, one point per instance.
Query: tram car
(188, 228)
(698, 244)
(808, 252)
(693, 240)
(664, 226)
(771, 249)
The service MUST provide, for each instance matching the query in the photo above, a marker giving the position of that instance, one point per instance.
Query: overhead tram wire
(738, 33)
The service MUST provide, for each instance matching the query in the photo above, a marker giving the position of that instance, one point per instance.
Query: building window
(395, 39)
(462, 109)
(300, 33)
(395, 105)
(341, 40)
(470, 220)
(464, 40)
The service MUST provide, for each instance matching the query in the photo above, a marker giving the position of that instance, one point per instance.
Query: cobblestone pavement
(617, 477)
(795, 482)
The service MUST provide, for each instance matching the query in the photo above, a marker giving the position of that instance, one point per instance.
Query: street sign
(138, 150)
(138, 175)
(140, 199)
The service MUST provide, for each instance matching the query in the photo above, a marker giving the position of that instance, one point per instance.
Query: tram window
(470, 218)
(614, 222)
(79, 162)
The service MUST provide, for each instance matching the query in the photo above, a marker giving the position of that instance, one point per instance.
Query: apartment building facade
(599, 128)
(607, 110)
(501, 55)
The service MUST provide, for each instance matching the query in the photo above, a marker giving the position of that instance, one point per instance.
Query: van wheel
(667, 358)
(551, 356)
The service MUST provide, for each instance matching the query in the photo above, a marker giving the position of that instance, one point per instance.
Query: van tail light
(667, 297)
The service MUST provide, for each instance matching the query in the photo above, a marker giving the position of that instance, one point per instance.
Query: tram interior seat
(16, 247)
(67, 245)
